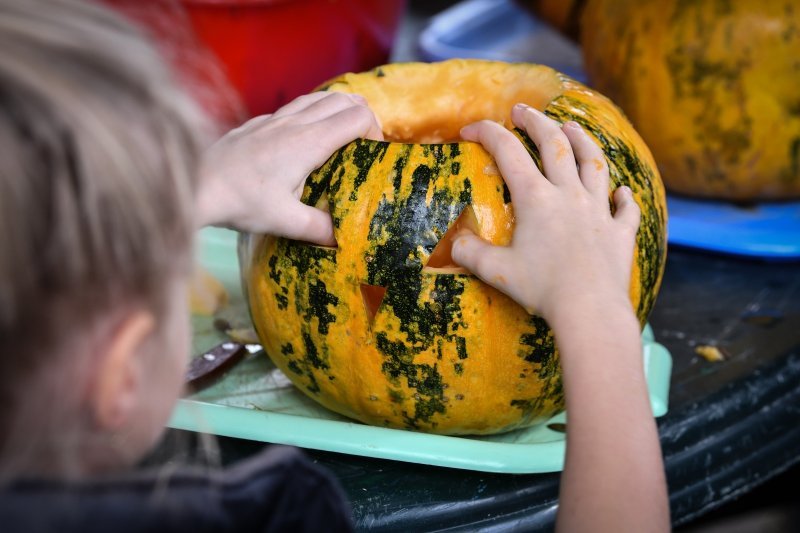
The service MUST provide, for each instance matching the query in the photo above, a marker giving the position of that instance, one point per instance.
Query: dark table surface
(731, 425)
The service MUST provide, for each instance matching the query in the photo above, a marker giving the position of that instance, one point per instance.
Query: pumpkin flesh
(385, 328)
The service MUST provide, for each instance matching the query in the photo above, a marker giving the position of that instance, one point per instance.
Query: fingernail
(359, 98)
(529, 109)
(626, 190)
(537, 112)
(571, 124)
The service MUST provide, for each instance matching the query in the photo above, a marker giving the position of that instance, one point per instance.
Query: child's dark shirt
(278, 490)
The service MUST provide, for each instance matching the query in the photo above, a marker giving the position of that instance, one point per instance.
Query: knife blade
(211, 363)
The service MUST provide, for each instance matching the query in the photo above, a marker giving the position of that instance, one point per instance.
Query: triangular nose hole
(441, 255)
(373, 296)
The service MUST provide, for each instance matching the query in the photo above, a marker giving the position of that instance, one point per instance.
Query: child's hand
(253, 177)
(570, 262)
(566, 245)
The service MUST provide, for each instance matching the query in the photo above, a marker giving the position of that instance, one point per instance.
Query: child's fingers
(350, 124)
(513, 161)
(628, 212)
(375, 131)
(309, 224)
(483, 259)
(320, 104)
(300, 103)
(554, 147)
(328, 135)
(593, 166)
(328, 106)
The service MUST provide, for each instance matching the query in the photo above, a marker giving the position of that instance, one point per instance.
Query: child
(101, 187)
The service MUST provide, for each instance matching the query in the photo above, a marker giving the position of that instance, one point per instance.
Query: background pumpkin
(384, 328)
(711, 86)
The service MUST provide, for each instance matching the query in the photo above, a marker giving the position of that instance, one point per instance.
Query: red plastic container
(270, 51)
(275, 50)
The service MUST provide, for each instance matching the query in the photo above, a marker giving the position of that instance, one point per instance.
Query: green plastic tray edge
(369, 441)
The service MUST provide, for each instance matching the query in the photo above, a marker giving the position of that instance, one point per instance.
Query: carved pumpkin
(385, 328)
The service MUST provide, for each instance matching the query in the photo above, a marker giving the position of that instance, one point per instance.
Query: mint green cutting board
(254, 400)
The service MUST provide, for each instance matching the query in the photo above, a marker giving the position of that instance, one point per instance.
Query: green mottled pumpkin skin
(445, 353)
(711, 86)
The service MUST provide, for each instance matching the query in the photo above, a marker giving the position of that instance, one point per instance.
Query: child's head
(97, 162)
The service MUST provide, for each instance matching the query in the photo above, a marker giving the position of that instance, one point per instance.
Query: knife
(211, 363)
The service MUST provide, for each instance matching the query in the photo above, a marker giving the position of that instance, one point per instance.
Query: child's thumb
(311, 225)
(476, 255)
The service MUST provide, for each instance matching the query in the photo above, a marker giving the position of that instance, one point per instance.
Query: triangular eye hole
(373, 296)
(441, 256)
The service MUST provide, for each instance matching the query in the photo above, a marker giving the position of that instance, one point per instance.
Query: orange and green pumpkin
(384, 328)
(711, 86)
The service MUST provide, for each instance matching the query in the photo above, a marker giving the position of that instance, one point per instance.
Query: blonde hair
(98, 155)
